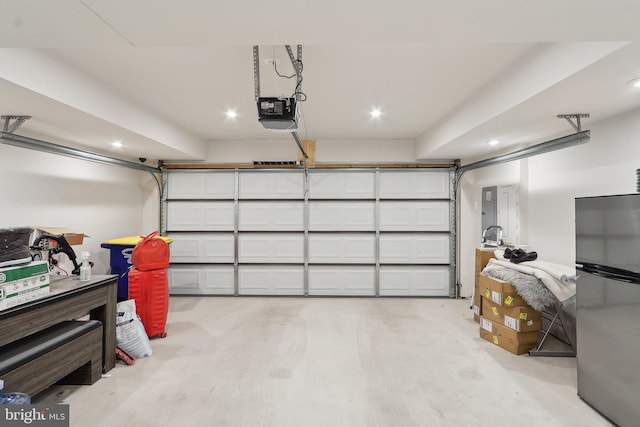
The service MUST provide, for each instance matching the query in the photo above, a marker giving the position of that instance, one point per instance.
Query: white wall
(549, 184)
(102, 201)
(327, 151)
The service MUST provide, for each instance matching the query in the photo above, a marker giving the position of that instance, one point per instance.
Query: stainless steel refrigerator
(608, 305)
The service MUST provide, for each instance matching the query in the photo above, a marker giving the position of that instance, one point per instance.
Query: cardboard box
(507, 338)
(521, 318)
(483, 255)
(477, 305)
(482, 259)
(23, 283)
(73, 237)
(500, 292)
(476, 312)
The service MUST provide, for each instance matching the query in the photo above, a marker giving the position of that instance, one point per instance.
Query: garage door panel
(182, 280)
(331, 185)
(202, 247)
(414, 216)
(185, 216)
(200, 216)
(268, 216)
(219, 280)
(271, 185)
(185, 249)
(338, 216)
(341, 248)
(404, 248)
(270, 280)
(414, 185)
(201, 280)
(201, 185)
(414, 280)
(271, 248)
(347, 280)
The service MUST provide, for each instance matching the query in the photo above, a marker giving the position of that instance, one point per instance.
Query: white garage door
(356, 232)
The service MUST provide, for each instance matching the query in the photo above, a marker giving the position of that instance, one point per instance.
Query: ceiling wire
(297, 93)
(275, 67)
(107, 23)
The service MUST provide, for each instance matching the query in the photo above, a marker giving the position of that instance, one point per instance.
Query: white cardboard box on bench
(21, 284)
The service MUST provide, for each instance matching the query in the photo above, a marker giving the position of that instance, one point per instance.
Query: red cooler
(150, 290)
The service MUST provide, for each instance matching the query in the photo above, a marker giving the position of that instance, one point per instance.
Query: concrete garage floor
(328, 362)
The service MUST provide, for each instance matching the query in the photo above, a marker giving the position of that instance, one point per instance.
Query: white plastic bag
(130, 333)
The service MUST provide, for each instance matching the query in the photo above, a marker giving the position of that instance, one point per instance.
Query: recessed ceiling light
(493, 142)
(116, 144)
(375, 113)
(231, 114)
(634, 82)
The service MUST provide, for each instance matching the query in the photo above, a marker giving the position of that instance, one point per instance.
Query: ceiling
(159, 75)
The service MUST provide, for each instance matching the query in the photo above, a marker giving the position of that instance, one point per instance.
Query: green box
(35, 268)
(23, 284)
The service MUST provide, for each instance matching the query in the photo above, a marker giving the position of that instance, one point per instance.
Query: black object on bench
(70, 351)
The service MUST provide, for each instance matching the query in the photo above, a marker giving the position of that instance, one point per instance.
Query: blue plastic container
(120, 261)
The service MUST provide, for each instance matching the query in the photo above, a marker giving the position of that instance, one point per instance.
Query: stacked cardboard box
(482, 259)
(21, 284)
(507, 320)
